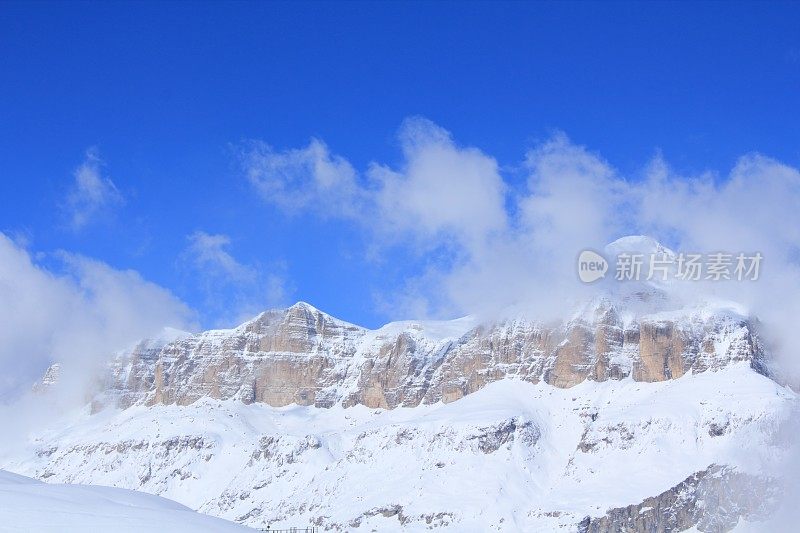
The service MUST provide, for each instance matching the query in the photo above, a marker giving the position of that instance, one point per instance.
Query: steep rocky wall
(304, 356)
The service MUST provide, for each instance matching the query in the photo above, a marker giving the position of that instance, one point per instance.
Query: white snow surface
(513, 456)
(30, 505)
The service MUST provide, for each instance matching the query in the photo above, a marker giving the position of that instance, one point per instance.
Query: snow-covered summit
(638, 244)
(304, 356)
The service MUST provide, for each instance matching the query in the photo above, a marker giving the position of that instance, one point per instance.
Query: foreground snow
(513, 456)
(30, 505)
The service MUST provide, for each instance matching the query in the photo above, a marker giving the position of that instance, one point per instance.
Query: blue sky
(160, 103)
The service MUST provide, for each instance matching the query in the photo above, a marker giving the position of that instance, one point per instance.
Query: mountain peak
(303, 306)
(642, 244)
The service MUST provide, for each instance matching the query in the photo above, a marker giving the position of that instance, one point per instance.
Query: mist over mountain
(636, 400)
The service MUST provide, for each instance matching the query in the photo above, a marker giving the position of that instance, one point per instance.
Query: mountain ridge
(302, 355)
(633, 406)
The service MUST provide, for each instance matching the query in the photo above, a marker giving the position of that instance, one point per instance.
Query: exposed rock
(303, 356)
(50, 378)
(712, 501)
(490, 439)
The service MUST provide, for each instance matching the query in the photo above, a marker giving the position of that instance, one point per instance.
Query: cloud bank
(508, 245)
(80, 312)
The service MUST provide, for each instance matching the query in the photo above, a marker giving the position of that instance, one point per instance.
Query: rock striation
(303, 356)
(712, 501)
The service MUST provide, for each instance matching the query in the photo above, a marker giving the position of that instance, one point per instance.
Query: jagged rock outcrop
(50, 378)
(304, 356)
(712, 501)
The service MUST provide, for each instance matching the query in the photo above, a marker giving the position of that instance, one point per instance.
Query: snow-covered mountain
(513, 456)
(621, 417)
(304, 356)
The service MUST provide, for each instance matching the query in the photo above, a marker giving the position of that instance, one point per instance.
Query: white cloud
(91, 193)
(234, 291)
(446, 196)
(574, 199)
(208, 252)
(753, 209)
(507, 248)
(443, 191)
(441, 196)
(80, 314)
(305, 178)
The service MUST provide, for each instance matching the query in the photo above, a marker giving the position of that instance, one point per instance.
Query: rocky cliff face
(513, 424)
(554, 422)
(304, 356)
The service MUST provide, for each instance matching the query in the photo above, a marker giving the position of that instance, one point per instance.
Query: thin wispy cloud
(234, 290)
(208, 253)
(91, 194)
(303, 178)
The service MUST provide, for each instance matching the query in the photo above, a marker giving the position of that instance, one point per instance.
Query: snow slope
(30, 505)
(513, 456)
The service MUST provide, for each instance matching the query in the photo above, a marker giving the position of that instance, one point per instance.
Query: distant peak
(642, 244)
(305, 306)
